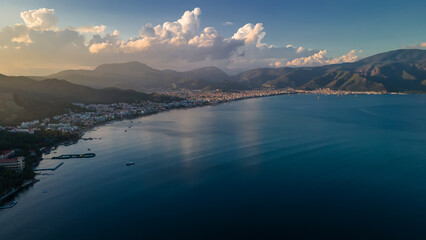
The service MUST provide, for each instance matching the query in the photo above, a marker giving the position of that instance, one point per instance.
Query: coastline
(295, 92)
(82, 132)
(16, 191)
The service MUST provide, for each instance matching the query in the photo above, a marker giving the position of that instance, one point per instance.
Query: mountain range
(28, 98)
(401, 70)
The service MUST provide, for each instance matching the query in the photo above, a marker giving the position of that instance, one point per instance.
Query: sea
(281, 167)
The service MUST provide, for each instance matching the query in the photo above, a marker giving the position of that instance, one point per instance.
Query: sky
(40, 37)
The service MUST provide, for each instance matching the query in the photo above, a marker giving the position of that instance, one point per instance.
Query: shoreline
(86, 129)
(17, 190)
(297, 92)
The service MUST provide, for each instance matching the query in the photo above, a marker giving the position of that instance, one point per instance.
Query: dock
(69, 156)
(49, 169)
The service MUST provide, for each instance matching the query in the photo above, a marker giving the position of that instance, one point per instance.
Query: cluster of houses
(218, 96)
(99, 113)
(93, 114)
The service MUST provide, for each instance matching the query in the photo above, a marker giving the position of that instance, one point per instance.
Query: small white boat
(130, 163)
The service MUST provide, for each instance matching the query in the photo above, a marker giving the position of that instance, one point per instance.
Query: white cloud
(320, 58)
(179, 44)
(206, 39)
(98, 47)
(22, 39)
(91, 29)
(41, 19)
(277, 64)
(351, 56)
(251, 34)
(228, 24)
(172, 41)
(177, 32)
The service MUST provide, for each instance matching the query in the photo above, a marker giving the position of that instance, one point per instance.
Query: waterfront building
(16, 164)
(22, 130)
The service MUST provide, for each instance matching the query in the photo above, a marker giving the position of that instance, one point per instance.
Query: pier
(69, 156)
(49, 169)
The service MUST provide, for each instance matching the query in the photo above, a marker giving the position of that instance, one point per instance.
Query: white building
(58, 125)
(16, 164)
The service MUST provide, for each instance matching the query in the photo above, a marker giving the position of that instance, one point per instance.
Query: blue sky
(335, 26)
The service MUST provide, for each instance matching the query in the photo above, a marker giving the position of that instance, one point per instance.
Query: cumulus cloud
(91, 29)
(178, 40)
(41, 19)
(98, 47)
(38, 46)
(320, 58)
(206, 39)
(251, 34)
(177, 32)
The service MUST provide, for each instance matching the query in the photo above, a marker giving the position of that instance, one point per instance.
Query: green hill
(26, 99)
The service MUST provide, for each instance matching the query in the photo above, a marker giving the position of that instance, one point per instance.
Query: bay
(290, 166)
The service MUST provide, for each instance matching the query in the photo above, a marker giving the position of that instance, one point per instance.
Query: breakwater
(49, 169)
(69, 156)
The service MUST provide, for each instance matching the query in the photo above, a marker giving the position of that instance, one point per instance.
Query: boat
(130, 163)
(12, 204)
(89, 155)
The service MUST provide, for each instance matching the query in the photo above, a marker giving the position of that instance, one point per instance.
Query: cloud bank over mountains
(39, 46)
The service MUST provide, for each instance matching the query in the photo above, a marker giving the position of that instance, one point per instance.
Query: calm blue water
(269, 168)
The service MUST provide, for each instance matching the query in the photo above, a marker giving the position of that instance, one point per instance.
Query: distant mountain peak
(127, 66)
